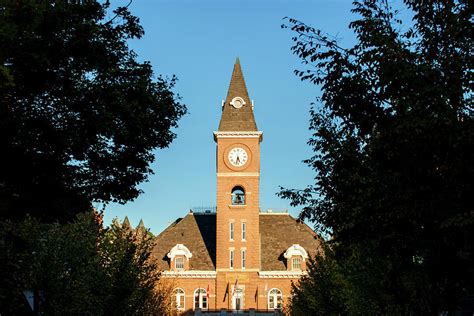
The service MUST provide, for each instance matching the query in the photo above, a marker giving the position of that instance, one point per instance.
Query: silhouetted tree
(393, 142)
(79, 114)
(79, 268)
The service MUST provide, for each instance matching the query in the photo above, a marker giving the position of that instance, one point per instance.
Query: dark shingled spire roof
(126, 223)
(241, 119)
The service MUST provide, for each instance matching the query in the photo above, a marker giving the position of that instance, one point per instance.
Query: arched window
(238, 196)
(179, 298)
(275, 299)
(200, 299)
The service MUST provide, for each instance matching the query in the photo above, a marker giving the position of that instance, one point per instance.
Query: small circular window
(237, 102)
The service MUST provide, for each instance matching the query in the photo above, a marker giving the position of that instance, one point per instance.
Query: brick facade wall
(248, 178)
(255, 293)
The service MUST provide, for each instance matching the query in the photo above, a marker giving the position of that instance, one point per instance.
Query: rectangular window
(244, 230)
(181, 302)
(231, 230)
(179, 299)
(179, 263)
(244, 258)
(296, 263)
(231, 257)
(271, 302)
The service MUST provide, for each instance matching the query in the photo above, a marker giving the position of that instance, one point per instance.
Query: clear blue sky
(198, 41)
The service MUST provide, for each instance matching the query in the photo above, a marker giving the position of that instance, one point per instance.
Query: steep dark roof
(198, 233)
(126, 223)
(277, 233)
(241, 119)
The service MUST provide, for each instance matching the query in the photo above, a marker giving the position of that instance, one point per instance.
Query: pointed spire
(141, 225)
(237, 112)
(126, 223)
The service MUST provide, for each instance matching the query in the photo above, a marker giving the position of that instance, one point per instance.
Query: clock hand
(237, 161)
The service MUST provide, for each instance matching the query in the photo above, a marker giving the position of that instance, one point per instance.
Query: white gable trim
(295, 250)
(179, 250)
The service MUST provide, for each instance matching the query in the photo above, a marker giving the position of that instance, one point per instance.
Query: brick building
(238, 257)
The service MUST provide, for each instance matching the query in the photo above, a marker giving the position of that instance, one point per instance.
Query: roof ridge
(171, 226)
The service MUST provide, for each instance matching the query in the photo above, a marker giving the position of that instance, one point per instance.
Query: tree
(393, 135)
(131, 272)
(79, 268)
(79, 114)
(319, 292)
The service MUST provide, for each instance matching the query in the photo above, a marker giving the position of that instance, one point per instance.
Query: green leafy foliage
(393, 138)
(79, 114)
(79, 268)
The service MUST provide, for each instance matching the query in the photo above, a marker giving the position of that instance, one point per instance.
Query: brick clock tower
(239, 257)
(237, 215)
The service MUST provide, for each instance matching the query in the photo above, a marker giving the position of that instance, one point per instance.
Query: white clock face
(238, 156)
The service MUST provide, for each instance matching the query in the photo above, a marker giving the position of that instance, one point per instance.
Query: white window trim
(275, 298)
(231, 258)
(231, 230)
(243, 257)
(293, 261)
(176, 263)
(244, 231)
(200, 299)
(183, 296)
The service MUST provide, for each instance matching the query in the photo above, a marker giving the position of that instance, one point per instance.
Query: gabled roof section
(278, 232)
(237, 119)
(195, 231)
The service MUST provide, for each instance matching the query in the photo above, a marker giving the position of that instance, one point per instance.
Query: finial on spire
(237, 60)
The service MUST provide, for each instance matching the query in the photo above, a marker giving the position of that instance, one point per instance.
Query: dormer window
(179, 257)
(179, 263)
(238, 196)
(295, 257)
(296, 263)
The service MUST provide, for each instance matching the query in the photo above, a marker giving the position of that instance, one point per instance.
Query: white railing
(274, 210)
(203, 209)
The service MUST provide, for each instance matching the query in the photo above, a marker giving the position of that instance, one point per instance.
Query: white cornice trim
(237, 270)
(196, 274)
(281, 274)
(249, 134)
(238, 174)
